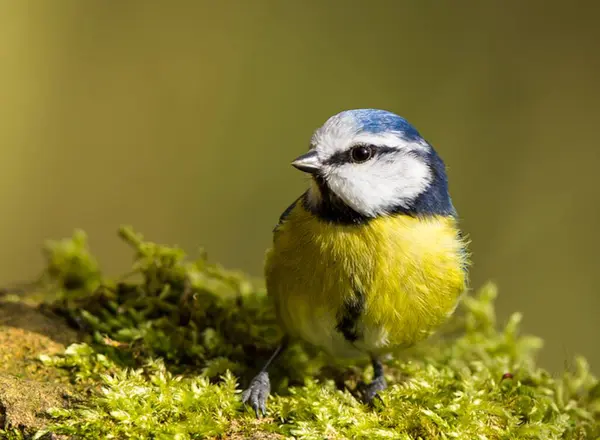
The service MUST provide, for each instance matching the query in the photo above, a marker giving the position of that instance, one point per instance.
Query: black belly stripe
(347, 323)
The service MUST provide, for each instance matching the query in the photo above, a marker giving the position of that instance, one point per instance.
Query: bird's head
(367, 163)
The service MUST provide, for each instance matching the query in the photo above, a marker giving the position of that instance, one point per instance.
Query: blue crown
(378, 121)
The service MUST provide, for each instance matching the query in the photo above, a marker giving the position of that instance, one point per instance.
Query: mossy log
(164, 352)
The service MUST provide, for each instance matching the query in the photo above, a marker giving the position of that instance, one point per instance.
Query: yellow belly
(409, 270)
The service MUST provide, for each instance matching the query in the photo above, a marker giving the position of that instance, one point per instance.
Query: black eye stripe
(380, 151)
(342, 157)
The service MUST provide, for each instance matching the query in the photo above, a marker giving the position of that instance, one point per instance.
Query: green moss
(169, 348)
(144, 403)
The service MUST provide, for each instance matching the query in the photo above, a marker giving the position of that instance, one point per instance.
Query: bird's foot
(370, 391)
(257, 393)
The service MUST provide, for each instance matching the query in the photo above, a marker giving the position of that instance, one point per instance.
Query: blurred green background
(182, 118)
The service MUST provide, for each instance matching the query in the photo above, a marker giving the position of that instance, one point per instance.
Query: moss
(167, 350)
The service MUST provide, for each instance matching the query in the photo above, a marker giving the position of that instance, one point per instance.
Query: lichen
(169, 347)
(23, 401)
(27, 388)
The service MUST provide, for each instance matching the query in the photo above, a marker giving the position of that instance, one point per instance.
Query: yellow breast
(408, 271)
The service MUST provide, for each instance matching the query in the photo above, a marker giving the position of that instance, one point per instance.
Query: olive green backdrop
(182, 118)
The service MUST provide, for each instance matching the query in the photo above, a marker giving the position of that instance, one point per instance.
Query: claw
(257, 393)
(263, 409)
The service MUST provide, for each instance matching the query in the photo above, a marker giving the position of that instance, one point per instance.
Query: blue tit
(370, 258)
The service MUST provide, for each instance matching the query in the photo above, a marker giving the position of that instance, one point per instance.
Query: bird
(370, 258)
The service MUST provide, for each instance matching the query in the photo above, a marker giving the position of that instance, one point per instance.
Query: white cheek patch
(375, 187)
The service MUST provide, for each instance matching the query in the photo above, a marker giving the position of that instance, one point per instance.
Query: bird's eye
(361, 153)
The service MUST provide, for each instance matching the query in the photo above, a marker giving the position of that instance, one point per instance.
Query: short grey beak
(309, 162)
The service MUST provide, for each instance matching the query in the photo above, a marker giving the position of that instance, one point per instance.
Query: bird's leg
(377, 384)
(258, 391)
